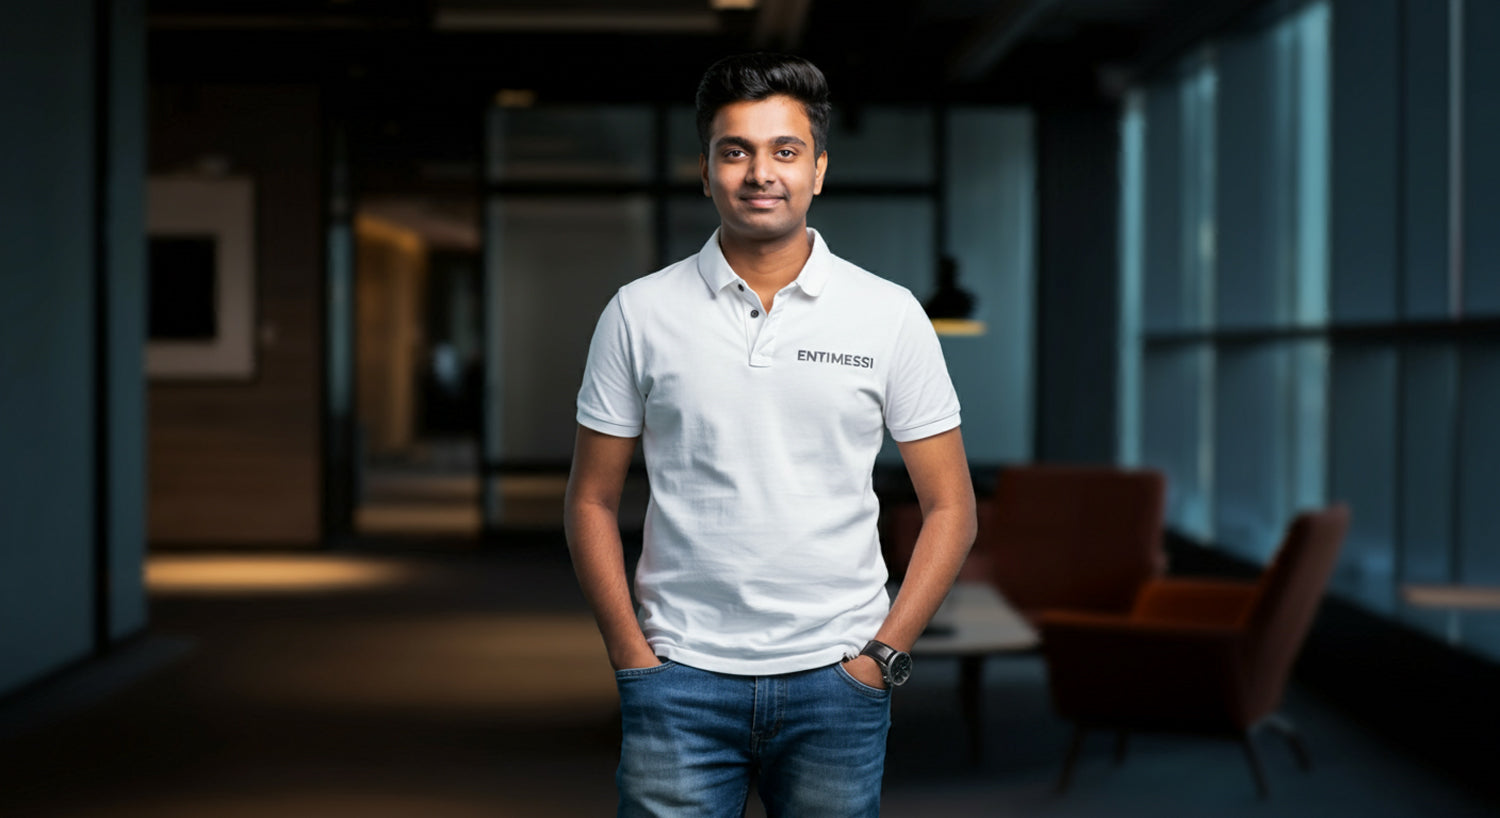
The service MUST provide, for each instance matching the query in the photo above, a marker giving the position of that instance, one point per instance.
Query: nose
(758, 171)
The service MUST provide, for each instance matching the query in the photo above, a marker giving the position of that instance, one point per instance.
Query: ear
(821, 166)
(703, 174)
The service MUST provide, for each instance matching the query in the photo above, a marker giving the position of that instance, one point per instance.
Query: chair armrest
(1126, 646)
(1208, 601)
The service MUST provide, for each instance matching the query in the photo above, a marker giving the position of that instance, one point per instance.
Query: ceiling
(408, 75)
(614, 49)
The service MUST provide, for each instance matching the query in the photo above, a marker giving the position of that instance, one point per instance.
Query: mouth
(762, 200)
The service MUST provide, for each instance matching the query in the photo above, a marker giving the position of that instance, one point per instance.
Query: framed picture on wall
(200, 278)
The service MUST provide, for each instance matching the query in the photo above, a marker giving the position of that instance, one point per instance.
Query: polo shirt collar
(717, 273)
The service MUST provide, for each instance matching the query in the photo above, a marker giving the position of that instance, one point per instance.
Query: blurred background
(295, 297)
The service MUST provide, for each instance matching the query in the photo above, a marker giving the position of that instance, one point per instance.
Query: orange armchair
(1196, 655)
(1075, 537)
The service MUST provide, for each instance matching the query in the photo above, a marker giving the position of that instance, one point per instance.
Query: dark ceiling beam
(1186, 24)
(995, 36)
(623, 20)
(273, 22)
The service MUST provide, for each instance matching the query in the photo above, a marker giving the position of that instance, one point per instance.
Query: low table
(974, 622)
(1455, 599)
(1470, 597)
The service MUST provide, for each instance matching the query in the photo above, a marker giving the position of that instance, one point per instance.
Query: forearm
(943, 544)
(599, 561)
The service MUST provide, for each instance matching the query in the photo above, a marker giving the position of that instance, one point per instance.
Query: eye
(786, 153)
(733, 153)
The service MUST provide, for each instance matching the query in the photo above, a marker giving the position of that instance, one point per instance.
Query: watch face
(900, 669)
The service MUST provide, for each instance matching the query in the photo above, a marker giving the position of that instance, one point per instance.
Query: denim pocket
(860, 687)
(639, 672)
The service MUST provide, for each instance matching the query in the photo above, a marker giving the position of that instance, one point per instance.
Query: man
(761, 375)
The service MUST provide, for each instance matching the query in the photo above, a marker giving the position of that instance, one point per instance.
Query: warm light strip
(515, 98)
(374, 228)
(959, 326)
(266, 574)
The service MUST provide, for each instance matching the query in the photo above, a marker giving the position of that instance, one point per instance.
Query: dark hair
(753, 77)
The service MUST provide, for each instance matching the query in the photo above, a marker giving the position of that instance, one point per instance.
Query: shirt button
(755, 313)
(742, 288)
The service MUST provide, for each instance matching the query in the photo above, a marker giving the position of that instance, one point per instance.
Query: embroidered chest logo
(841, 358)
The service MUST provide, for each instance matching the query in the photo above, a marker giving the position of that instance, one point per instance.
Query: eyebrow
(741, 142)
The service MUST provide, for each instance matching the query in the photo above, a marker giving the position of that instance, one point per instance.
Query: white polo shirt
(760, 431)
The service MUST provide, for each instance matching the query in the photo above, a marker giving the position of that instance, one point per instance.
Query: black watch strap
(895, 665)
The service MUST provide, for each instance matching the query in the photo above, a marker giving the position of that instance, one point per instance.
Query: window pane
(682, 144)
(1270, 455)
(1362, 471)
(1162, 209)
(1178, 434)
(1250, 461)
(1480, 162)
(880, 145)
(1273, 174)
(577, 143)
(1479, 475)
(546, 290)
(1308, 187)
(1429, 380)
(1307, 458)
(1366, 162)
(1199, 203)
(1179, 242)
(1252, 259)
(991, 188)
(891, 237)
(690, 221)
(1425, 161)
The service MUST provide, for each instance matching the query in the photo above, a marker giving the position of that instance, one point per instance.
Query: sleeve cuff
(936, 427)
(607, 427)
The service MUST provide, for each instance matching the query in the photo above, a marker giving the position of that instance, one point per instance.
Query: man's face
(761, 170)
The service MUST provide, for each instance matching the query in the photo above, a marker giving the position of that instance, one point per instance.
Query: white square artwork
(201, 291)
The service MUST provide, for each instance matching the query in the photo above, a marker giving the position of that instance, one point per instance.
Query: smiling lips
(761, 200)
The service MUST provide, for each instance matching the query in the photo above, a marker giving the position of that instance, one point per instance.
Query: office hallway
(453, 681)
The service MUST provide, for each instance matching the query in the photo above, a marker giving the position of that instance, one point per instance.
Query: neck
(767, 266)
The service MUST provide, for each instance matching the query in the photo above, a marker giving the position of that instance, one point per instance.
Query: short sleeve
(919, 397)
(609, 401)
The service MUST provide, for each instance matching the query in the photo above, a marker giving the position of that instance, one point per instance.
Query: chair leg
(971, 697)
(1122, 743)
(1247, 741)
(1067, 771)
(1288, 731)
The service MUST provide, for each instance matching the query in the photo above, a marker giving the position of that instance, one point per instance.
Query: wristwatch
(895, 665)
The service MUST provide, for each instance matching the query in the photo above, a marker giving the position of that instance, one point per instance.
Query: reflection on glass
(553, 265)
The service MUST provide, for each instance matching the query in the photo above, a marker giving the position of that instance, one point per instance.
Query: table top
(975, 619)
(1474, 597)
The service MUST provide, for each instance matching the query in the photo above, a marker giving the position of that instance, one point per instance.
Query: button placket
(763, 351)
(752, 317)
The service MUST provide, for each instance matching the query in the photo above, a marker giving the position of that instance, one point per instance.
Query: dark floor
(454, 682)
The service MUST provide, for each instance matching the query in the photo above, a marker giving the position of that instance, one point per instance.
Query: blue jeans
(814, 743)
